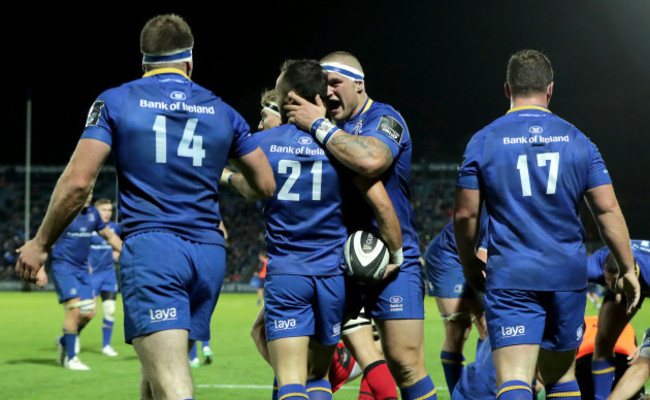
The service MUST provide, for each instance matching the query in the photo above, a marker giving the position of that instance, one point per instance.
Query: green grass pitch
(29, 322)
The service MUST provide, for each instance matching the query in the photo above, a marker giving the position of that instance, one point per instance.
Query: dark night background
(441, 64)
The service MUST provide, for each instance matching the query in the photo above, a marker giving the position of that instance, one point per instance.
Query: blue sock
(566, 390)
(206, 344)
(421, 390)
(275, 389)
(452, 364)
(193, 354)
(107, 332)
(68, 340)
(603, 373)
(515, 390)
(292, 391)
(319, 389)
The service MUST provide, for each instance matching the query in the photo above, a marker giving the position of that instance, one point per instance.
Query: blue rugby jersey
(170, 139)
(74, 244)
(641, 253)
(100, 257)
(305, 231)
(442, 249)
(533, 168)
(381, 121)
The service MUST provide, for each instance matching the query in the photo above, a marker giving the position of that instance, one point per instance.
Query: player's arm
(112, 239)
(364, 155)
(467, 210)
(604, 206)
(633, 380)
(374, 192)
(255, 180)
(68, 198)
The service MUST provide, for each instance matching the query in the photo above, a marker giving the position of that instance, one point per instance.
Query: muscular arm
(467, 209)
(255, 181)
(364, 155)
(375, 194)
(68, 198)
(611, 224)
(632, 381)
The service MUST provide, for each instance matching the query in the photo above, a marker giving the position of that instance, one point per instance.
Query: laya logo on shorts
(513, 331)
(161, 315)
(284, 325)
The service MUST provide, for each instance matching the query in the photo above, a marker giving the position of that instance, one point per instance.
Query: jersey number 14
(542, 160)
(191, 145)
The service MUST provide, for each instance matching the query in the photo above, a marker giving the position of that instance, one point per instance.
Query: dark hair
(165, 33)
(529, 72)
(306, 78)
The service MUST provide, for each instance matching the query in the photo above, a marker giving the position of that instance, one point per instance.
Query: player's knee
(108, 307)
(86, 310)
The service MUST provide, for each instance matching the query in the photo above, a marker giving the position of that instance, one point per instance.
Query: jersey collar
(363, 109)
(529, 107)
(159, 71)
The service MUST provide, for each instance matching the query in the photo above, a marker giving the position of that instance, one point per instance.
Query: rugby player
(372, 139)
(457, 302)
(171, 139)
(603, 270)
(305, 231)
(72, 277)
(104, 280)
(532, 168)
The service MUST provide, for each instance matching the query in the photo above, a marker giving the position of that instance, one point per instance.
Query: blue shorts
(104, 281)
(72, 281)
(169, 283)
(297, 305)
(399, 297)
(554, 320)
(447, 281)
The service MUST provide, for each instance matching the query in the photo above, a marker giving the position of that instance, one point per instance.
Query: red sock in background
(378, 381)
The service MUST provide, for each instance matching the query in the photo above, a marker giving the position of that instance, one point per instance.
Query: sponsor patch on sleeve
(391, 128)
(94, 113)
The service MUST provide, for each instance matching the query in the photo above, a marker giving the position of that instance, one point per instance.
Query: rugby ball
(366, 257)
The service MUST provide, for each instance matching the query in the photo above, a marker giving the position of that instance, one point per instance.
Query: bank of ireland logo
(535, 130)
(305, 140)
(178, 95)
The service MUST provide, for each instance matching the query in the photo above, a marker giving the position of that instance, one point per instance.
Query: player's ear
(360, 86)
(549, 92)
(144, 68)
(506, 88)
(190, 67)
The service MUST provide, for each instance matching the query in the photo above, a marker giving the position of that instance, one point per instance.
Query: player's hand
(224, 176)
(31, 260)
(475, 276)
(303, 113)
(634, 355)
(41, 278)
(391, 269)
(629, 284)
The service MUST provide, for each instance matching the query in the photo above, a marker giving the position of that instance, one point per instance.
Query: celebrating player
(532, 168)
(170, 139)
(72, 278)
(373, 140)
(104, 280)
(270, 112)
(603, 270)
(305, 230)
